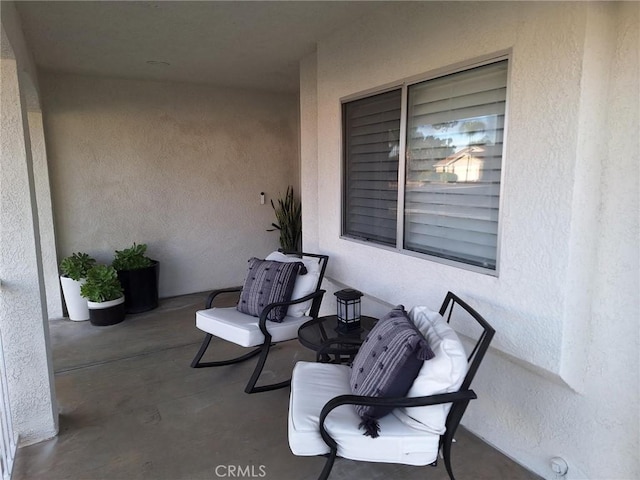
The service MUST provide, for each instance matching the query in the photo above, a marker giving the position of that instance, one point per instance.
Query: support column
(45, 211)
(23, 313)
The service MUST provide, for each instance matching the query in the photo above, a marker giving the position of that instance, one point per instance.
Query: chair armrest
(263, 316)
(215, 293)
(397, 402)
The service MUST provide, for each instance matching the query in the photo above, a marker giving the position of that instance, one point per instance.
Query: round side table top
(317, 333)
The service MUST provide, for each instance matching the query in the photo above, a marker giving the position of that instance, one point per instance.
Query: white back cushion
(442, 374)
(305, 284)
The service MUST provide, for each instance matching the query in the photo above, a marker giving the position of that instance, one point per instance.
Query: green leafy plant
(102, 284)
(76, 265)
(289, 221)
(132, 258)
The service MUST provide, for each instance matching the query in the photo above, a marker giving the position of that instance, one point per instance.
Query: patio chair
(323, 419)
(262, 318)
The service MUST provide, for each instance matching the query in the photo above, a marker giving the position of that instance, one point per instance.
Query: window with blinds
(455, 127)
(449, 204)
(371, 147)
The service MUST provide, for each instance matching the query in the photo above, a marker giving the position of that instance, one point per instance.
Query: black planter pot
(106, 313)
(140, 288)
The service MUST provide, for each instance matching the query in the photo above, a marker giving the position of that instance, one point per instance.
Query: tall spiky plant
(289, 221)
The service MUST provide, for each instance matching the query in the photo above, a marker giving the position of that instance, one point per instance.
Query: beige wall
(309, 149)
(179, 167)
(561, 376)
(28, 401)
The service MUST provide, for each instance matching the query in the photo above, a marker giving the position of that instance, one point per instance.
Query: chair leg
(263, 351)
(446, 453)
(196, 363)
(251, 384)
(203, 348)
(324, 475)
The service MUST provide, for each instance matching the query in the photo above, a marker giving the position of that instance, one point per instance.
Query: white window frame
(404, 84)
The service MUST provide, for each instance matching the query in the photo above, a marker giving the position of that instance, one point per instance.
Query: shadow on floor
(131, 408)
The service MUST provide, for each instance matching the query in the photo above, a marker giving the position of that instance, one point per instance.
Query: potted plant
(138, 275)
(104, 296)
(289, 218)
(73, 272)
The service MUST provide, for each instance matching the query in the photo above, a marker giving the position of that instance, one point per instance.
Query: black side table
(323, 336)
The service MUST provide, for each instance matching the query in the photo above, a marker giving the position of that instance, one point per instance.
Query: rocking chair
(261, 331)
(323, 419)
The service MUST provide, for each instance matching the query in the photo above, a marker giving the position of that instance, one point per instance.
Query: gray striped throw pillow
(387, 364)
(268, 282)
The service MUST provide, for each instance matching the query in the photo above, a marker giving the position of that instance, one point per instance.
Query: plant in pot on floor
(73, 272)
(138, 275)
(289, 217)
(104, 296)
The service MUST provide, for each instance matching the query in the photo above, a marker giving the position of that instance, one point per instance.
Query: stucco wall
(561, 299)
(309, 150)
(179, 167)
(29, 89)
(45, 214)
(23, 318)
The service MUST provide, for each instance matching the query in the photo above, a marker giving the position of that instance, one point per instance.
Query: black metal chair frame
(459, 400)
(262, 350)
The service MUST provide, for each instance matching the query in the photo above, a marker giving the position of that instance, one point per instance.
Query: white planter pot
(102, 305)
(76, 305)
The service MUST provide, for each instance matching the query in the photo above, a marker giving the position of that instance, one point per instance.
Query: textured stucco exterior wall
(616, 301)
(540, 156)
(29, 89)
(45, 214)
(546, 388)
(309, 150)
(23, 320)
(179, 167)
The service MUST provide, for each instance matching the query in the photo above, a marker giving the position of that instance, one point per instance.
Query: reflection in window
(454, 162)
(454, 128)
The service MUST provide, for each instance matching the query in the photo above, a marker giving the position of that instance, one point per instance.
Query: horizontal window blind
(455, 127)
(371, 133)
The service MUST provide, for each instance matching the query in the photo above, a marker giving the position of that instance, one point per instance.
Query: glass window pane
(455, 127)
(371, 144)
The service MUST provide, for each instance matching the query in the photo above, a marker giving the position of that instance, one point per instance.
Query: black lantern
(348, 309)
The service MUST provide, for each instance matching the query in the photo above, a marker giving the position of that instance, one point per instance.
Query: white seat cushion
(305, 284)
(314, 384)
(442, 374)
(231, 325)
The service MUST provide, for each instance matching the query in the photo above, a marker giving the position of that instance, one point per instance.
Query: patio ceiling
(241, 44)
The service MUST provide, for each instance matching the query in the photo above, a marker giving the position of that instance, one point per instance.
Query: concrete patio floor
(132, 408)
